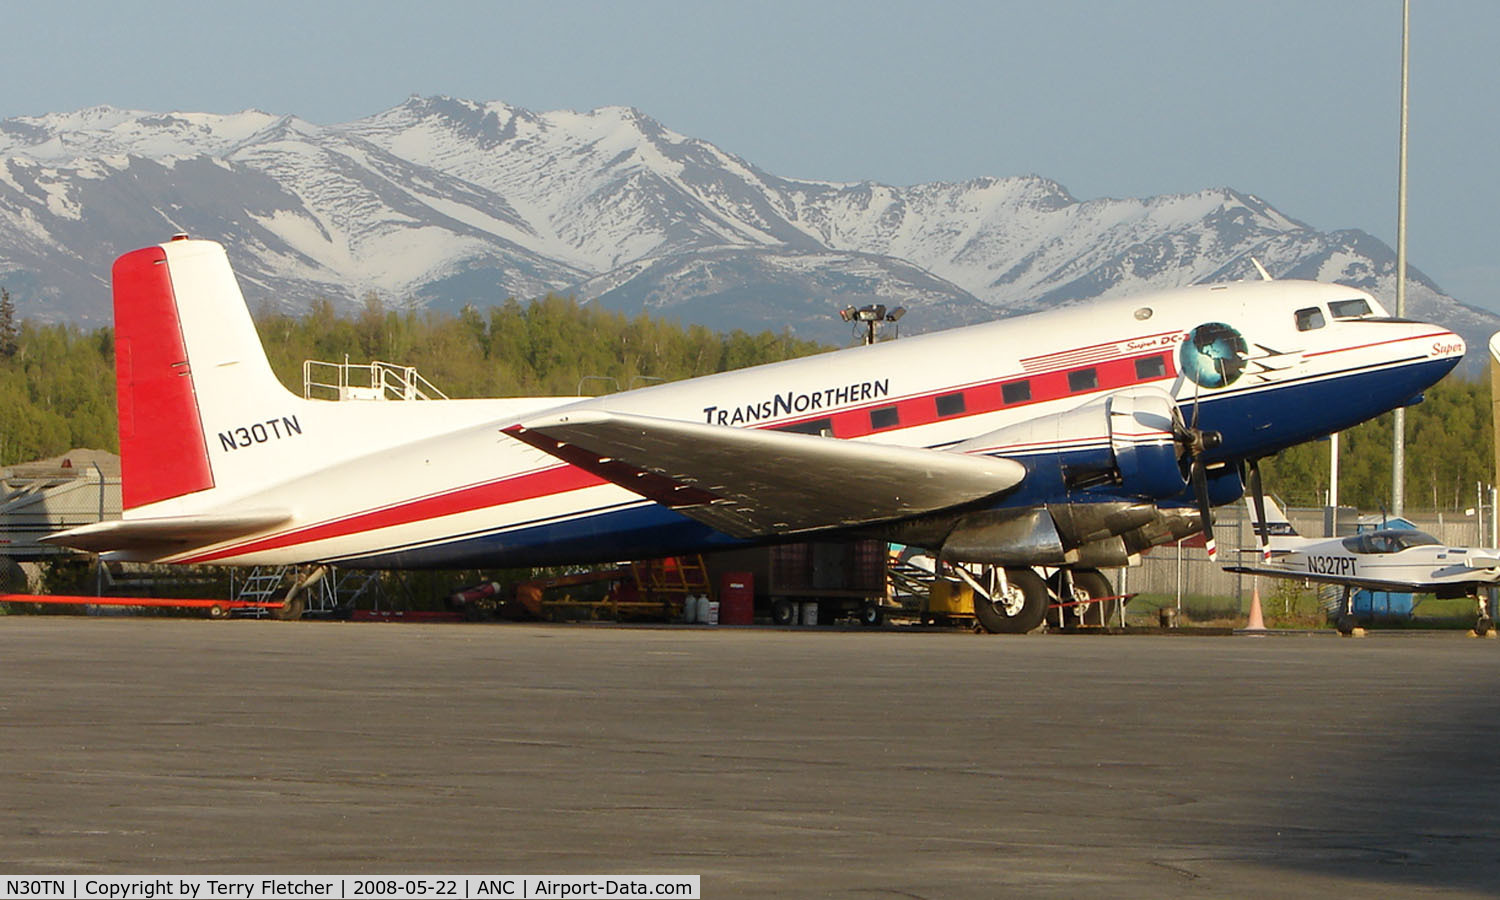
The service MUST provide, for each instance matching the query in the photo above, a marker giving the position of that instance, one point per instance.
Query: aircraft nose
(1446, 344)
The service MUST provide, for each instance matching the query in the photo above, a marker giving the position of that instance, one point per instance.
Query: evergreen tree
(9, 333)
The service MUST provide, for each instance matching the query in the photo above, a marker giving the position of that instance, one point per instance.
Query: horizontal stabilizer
(166, 533)
(754, 482)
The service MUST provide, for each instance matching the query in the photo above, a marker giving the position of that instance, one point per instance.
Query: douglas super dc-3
(1389, 559)
(1069, 439)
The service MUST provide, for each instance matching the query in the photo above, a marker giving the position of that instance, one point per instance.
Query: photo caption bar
(377, 887)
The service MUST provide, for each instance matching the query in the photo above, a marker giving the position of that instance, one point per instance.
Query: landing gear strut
(1346, 621)
(1074, 589)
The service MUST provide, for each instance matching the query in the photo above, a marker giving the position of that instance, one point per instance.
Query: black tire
(1089, 583)
(1346, 624)
(1484, 626)
(1021, 617)
(783, 612)
(218, 612)
(871, 615)
(290, 610)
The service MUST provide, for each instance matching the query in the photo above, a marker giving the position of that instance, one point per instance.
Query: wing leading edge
(754, 482)
(1481, 576)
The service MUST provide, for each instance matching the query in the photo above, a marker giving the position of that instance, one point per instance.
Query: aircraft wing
(1483, 576)
(165, 533)
(755, 482)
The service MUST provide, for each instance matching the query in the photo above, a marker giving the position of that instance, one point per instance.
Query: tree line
(57, 384)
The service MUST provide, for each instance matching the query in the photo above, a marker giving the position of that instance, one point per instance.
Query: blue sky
(1293, 101)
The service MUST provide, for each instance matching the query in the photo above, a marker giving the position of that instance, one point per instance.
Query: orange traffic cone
(1257, 621)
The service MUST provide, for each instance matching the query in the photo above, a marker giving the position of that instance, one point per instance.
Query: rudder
(162, 450)
(187, 357)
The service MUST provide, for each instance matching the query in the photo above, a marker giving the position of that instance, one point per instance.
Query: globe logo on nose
(1213, 356)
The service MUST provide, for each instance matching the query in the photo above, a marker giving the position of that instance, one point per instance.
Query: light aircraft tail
(1277, 528)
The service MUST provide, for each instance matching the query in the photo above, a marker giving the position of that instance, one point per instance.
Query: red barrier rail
(67, 600)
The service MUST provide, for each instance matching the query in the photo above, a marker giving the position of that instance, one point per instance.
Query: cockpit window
(1349, 309)
(1388, 541)
(1310, 318)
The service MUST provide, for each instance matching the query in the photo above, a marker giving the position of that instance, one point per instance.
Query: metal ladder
(262, 585)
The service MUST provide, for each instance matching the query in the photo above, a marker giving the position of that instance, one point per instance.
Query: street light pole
(1398, 448)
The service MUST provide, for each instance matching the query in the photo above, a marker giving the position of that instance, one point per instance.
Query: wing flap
(754, 482)
(165, 533)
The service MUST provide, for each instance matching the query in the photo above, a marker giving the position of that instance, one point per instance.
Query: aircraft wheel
(783, 612)
(1087, 585)
(218, 612)
(290, 610)
(1484, 626)
(1018, 609)
(871, 615)
(1346, 624)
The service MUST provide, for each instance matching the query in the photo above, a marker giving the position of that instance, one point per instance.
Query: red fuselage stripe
(556, 480)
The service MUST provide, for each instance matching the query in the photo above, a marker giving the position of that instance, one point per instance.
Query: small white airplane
(1390, 559)
(1071, 439)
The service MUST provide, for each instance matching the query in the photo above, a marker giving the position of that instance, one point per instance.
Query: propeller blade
(1193, 426)
(1205, 509)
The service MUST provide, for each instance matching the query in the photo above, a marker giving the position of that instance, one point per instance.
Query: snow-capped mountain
(446, 202)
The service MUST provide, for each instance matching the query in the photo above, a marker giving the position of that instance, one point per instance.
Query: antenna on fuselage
(1264, 275)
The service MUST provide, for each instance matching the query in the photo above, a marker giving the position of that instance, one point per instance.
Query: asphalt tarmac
(801, 763)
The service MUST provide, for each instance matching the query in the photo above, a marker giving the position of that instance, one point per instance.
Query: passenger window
(884, 417)
(1310, 318)
(822, 427)
(1016, 392)
(950, 405)
(1150, 367)
(1083, 380)
(1349, 309)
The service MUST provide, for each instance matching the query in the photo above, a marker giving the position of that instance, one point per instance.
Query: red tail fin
(162, 451)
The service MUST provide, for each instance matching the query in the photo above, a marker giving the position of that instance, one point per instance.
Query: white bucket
(712, 616)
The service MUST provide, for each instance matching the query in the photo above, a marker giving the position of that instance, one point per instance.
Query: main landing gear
(1016, 600)
(1006, 601)
(1485, 623)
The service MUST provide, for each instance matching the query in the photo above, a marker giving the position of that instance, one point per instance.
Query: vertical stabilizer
(1280, 534)
(184, 345)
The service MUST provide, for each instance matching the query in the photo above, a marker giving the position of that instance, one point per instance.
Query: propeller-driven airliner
(1071, 439)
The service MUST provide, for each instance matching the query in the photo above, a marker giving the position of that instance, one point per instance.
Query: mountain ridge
(444, 202)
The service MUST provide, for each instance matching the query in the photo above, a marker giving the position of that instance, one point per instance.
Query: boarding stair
(680, 575)
(263, 584)
(336, 592)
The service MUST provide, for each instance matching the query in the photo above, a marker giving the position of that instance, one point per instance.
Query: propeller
(1194, 443)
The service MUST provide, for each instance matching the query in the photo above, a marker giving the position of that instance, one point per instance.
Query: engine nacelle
(1141, 436)
(1126, 440)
